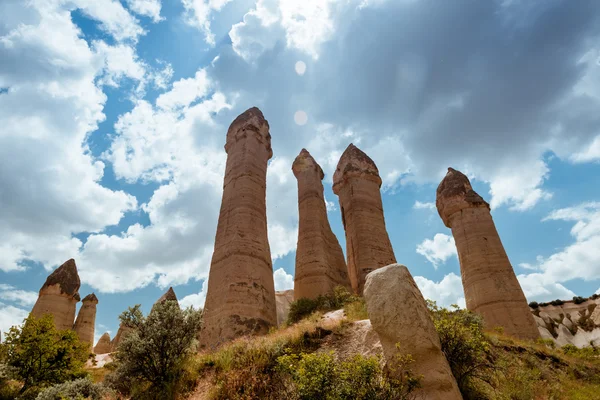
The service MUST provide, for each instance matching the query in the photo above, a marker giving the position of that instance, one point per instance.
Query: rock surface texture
(86, 319)
(398, 314)
(283, 300)
(240, 298)
(320, 263)
(59, 296)
(490, 284)
(121, 334)
(168, 296)
(357, 183)
(103, 346)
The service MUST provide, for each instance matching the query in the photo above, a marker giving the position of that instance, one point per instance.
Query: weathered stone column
(240, 298)
(86, 319)
(491, 287)
(356, 181)
(320, 264)
(400, 317)
(59, 296)
(103, 346)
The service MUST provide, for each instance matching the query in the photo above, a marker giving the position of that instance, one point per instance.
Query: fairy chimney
(489, 281)
(240, 298)
(103, 346)
(86, 319)
(320, 263)
(59, 296)
(357, 183)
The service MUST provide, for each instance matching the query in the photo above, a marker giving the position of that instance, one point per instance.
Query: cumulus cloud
(424, 205)
(446, 292)
(437, 250)
(148, 8)
(198, 13)
(283, 280)
(11, 316)
(23, 298)
(195, 300)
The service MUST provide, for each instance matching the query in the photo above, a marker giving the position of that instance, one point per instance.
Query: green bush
(303, 307)
(74, 390)
(534, 304)
(546, 342)
(150, 361)
(465, 346)
(579, 299)
(584, 352)
(557, 302)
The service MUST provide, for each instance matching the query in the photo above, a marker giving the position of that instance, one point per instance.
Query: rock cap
(168, 296)
(66, 277)
(250, 121)
(305, 162)
(90, 297)
(354, 163)
(454, 194)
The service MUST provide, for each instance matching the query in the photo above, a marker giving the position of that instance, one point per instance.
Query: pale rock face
(241, 295)
(86, 319)
(320, 263)
(103, 346)
(490, 284)
(357, 183)
(59, 296)
(399, 314)
(283, 300)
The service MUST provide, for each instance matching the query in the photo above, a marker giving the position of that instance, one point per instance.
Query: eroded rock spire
(491, 287)
(86, 319)
(103, 346)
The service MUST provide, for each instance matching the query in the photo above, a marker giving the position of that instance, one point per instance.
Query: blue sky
(113, 117)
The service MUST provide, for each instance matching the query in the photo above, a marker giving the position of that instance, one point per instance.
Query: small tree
(41, 355)
(153, 354)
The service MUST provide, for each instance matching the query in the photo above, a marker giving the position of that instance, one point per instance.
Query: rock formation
(121, 334)
(86, 319)
(490, 284)
(59, 296)
(168, 296)
(283, 300)
(320, 264)
(356, 181)
(103, 346)
(398, 313)
(240, 298)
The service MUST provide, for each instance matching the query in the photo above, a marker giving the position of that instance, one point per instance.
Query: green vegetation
(304, 307)
(74, 390)
(38, 355)
(150, 361)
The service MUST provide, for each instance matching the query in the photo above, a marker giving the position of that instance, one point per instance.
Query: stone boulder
(59, 296)
(399, 315)
(86, 319)
(103, 346)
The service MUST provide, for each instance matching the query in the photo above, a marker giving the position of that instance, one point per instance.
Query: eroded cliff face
(570, 323)
(283, 300)
(240, 298)
(490, 284)
(320, 263)
(86, 320)
(59, 296)
(357, 183)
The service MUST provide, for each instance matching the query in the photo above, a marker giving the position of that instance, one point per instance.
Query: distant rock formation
(103, 346)
(283, 300)
(490, 284)
(121, 334)
(399, 314)
(320, 264)
(86, 319)
(240, 298)
(357, 183)
(168, 296)
(59, 296)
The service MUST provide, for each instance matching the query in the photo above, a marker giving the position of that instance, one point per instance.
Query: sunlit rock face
(490, 284)
(357, 183)
(320, 263)
(240, 298)
(86, 319)
(59, 296)
(103, 346)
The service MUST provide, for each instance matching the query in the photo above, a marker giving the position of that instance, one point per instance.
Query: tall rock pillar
(356, 181)
(86, 319)
(59, 296)
(240, 299)
(320, 264)
(490, 284)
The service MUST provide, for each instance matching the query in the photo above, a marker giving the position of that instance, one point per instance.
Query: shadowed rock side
(356, 181)
(283, 300)
(240, 298)
(398, 313)
(320, 264)
(121, 334)
(103, 346)
(86, 319)
(168, 296)
(59, 296)
(491, 287)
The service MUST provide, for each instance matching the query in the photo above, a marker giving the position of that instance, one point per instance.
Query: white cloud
(113, 18)
(519, 187)
(424, 206)
(10, 316)
(23, 298)
(438, 250)
(446, 292)
(330, 205)
(148, 8)
(195, 300)
(283, 280)
(185, 91)
(121, 62)
(198, 13)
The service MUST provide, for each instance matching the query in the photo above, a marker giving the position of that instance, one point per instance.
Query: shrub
(546, 342)
(584, 352)
(579, 299)
(465, 346)
(41, 355)
(303, 307)
(356, 310)
(534, 304)
(150, 360)
(74, 390)
(557, 302)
